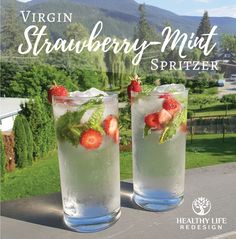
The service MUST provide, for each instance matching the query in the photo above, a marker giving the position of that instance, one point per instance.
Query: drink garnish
(110, 125)
(171, 105)
(89, 134)
(168, 120)
(57, 90)
(91, 139)
(69, 127)
(134, 86)
(171, 128)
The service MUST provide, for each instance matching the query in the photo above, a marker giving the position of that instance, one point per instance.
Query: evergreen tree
(20, 143)
(146, 32)
(29, 138)
(37, 116)
(205, 28)
(3, 157)
(228, 43)
(11, 30)
(119, 67)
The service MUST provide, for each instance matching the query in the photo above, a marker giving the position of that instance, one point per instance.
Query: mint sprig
(69, 127)
(146, 90)
(171, 129)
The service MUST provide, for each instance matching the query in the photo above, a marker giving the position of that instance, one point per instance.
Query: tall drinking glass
(88, 150)
(159, 139)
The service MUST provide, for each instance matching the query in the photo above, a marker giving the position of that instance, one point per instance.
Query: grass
(43, 176)
(212, 110)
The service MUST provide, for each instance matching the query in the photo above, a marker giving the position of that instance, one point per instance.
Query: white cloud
(224, 11)
(202, 1)
(23, 0)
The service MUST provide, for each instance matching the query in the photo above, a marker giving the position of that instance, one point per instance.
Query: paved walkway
(229, 88)
(41, 217)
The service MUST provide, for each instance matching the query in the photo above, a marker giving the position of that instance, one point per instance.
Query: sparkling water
(90, 179)
(158, 169)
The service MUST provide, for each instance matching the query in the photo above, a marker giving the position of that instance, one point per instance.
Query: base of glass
(93, 224)
(157, 204)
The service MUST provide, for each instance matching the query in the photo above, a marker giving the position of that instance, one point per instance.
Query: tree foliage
(146, 32)
(228, 43)
(21, 155)
(202, 100)
(29, 137)
(205, 28)
(2, 157)
(11, 30)
(41, 125)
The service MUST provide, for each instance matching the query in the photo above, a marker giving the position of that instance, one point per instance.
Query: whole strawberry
(57, 90)
(134, 86)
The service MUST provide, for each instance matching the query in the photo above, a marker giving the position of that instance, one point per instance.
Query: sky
(215, 8)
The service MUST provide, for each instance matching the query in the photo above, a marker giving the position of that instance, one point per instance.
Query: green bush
(190, 114)
(202, 100)
(41, 125)
(230, 99)
(125, 123)
(20, 147)
(3, 157)
(29, 137)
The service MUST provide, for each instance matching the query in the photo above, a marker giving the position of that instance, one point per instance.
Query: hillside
(120, 17)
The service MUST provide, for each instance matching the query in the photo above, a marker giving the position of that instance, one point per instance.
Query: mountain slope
(159, 17)
(120, 17)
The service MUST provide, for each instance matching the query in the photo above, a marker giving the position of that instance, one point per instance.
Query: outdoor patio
(41, 217)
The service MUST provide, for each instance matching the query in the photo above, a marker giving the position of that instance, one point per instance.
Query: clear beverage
(90, 178)
(159, 155)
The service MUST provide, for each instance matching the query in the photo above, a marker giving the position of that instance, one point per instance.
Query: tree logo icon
(201, 206)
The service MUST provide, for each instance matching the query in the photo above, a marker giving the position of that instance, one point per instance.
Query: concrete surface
(41, 217)
(228, 88)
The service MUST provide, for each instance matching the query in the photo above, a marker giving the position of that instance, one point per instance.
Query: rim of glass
(168, 92)
(109, 96)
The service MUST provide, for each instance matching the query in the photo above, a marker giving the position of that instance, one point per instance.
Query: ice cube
(88, 93)
(170, 88)
(86, 116)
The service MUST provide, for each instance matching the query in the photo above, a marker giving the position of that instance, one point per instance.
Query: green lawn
(43, 176)
(212, 110)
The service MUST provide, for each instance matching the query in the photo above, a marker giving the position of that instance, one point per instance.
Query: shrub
(190, 114)
(30, 143)
(20, 143)
(231, 99)
(125, 123)
(202, 100)
(41, 126)
(3, 157)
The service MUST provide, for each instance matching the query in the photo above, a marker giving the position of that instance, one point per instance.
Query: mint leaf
(68, 126)
(146, 131)
(171, 129)
(146, 90)
(95, 120)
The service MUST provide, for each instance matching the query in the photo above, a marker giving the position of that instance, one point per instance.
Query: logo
(201, 206)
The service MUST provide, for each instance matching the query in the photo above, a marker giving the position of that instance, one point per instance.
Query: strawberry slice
(165, 96)
(110, 125)
(183, 127)
(57, 90)
(134, 86)
(116, 136)
(164, 117)
(91, 139)
(171, 105)
(152, 121)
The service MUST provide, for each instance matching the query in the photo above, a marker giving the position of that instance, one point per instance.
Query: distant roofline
(15, 111)
(10, 114)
